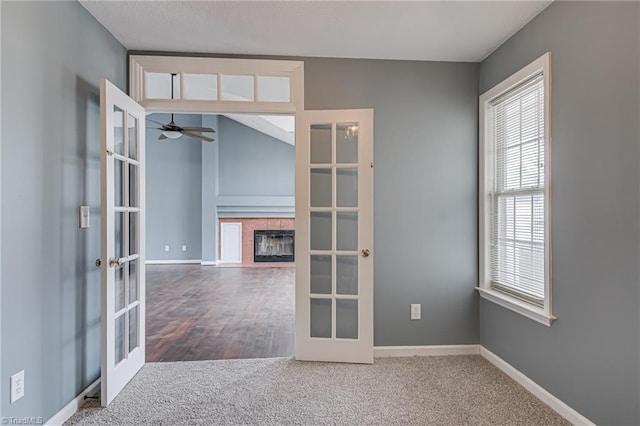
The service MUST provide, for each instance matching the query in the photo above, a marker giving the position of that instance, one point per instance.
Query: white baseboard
(74, 405)
(431, 350)
(208, 263)
(541, 393)
(173, 262)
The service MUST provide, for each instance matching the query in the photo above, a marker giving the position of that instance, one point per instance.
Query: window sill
(517, 306)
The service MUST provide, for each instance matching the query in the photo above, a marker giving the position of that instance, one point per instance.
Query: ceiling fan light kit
(173, 131)
(171, 134)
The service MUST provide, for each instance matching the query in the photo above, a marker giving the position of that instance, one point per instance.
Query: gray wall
(425, 180)
(252, 163)
(174, 192)
(589, 357)
(53, 56)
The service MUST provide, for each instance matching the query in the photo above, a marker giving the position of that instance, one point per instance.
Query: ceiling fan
(172, 131)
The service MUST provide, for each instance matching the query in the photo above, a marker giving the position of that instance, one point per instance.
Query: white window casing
(514, 201)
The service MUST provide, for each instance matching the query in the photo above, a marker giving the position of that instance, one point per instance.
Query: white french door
(334, 236)
(123, 225)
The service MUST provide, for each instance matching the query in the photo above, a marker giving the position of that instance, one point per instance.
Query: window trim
(542, 314)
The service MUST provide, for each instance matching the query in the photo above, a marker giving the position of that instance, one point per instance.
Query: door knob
(98, 262)
(113, 262)
(365, 252)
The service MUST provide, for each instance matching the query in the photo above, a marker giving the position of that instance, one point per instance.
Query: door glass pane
(118, 182)
(158, 85)
(347, 187)
(347, 319)
(321, 231)
(320, 320)
(118, 234)
(320, 141)
(201, 86)
(132, 126)
(133, 281)
(134, 318)
(133, 186)
(347, 275)
(320, 187)
(320, 274)
(236, 87)
(273, 89)
(347, 230)
(118, 130)
(133, 233)
(119, 338)
(347, 143)
(119, 289)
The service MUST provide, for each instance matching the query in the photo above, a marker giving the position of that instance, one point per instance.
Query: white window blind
(518, 197)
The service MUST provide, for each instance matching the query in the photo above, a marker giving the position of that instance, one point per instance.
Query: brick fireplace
(249, 225)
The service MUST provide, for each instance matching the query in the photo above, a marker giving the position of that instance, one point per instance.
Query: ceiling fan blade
(199, 129)
(162, 136)
(157, 122)
(197, 136)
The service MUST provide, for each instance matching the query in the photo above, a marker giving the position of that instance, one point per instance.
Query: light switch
(85, 213)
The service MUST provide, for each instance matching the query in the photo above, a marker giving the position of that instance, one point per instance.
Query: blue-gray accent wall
(243, 173)
(589, 358)
(53, 56)
(174, 192)
(254, 164)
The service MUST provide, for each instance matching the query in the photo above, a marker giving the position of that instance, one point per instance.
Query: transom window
(210, 85)
(514, 199)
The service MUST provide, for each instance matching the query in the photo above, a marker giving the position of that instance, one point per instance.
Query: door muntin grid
(334, 288)
(125, 156)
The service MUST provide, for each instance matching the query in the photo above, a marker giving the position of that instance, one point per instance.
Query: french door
(123, 226)
(334, 236)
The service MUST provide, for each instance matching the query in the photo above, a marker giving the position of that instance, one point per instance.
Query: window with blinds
(517, 200)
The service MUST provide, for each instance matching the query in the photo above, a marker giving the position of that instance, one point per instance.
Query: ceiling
(465, 31)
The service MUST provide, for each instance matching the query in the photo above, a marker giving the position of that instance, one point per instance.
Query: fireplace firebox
(277, 245)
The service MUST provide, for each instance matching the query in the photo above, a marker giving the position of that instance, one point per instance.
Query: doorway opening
(213, 289)
(333, 200)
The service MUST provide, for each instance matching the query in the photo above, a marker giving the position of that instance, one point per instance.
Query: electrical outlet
(166, 248)
(184, 247)
(17, 386)
(416, 313)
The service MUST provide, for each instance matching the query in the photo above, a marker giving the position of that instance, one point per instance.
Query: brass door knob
(365, 252)
(113, 262)
(98, 262)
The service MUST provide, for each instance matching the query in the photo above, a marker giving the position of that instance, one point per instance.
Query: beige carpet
(448, 390)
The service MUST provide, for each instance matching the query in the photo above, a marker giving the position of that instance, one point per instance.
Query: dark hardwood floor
(203, 313)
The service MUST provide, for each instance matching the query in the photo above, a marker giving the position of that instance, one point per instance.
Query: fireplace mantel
(255, 207)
